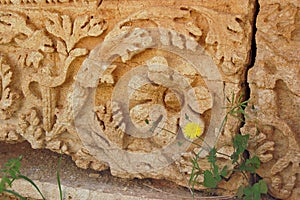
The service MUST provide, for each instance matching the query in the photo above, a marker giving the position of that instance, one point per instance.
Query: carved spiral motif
(154, 92)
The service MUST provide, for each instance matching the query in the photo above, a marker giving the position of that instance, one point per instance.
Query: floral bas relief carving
(276, 147)
(115, 115)
(47, 49)
(275, 97)
(43, 60)
(141, 92)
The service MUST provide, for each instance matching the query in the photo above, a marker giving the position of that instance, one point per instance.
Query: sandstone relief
(33, 92)
(274, 81)
(113, 83)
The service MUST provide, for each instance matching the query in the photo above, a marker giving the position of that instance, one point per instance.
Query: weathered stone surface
(41, 165)
(64, 92)
(274, 122)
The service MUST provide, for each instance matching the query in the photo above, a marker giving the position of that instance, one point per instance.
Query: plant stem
(14, 193)
(32, 183)
(58, 178)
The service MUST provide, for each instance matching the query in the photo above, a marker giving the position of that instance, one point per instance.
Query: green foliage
(11, 172)
(250, 165)
(58, 177)
(240, 143)
(214, 175)
(253, 192)
(236, 107)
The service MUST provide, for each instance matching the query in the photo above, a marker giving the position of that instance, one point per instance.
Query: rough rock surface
(83, 77)
(77, 184)
(274, 117)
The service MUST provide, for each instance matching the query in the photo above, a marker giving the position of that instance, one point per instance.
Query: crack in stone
(99, 3)
(253, 50)
(247, 91)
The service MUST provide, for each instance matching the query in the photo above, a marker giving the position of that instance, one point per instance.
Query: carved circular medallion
(131, 113)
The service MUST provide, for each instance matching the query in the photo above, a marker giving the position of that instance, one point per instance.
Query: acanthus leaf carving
(71, 33)
(36, 47)
(11, 24)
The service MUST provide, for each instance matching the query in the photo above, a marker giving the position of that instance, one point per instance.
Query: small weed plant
(243, 164)
(11, 172)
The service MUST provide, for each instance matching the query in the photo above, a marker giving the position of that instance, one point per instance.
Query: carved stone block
(274, 122)
(112, 84)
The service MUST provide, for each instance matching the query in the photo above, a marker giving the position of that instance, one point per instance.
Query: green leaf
(32, 183)
(263, 187)
(248, 197)
(234, 157)
(254, 192)
(216, 173)
(12, 173)
(244, 167)
(218, 178)
(251, 164)
(232, 98)
(7, 180)
(58, 178)
(248, 191)
(240, 143)
(15, 193)
(240, 192)
(215, 169)
(224, 171)
(196, 171)
(146, 121)
(195, 164)
(209, 180)
(2, 185)
(254, 161)
(212, 155)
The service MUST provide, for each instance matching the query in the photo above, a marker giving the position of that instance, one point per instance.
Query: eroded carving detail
(9, 134)
(43, 55)
(47, 56)
(30, 127)
(7, 96)
(275, 95)
(156, 92)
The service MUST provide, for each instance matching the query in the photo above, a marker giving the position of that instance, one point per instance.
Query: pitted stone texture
(274, 122)
(44, 43)
(109, 136)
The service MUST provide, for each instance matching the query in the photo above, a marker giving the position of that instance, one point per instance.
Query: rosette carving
(166, 97)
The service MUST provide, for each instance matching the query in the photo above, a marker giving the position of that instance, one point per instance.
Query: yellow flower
(192, 130)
